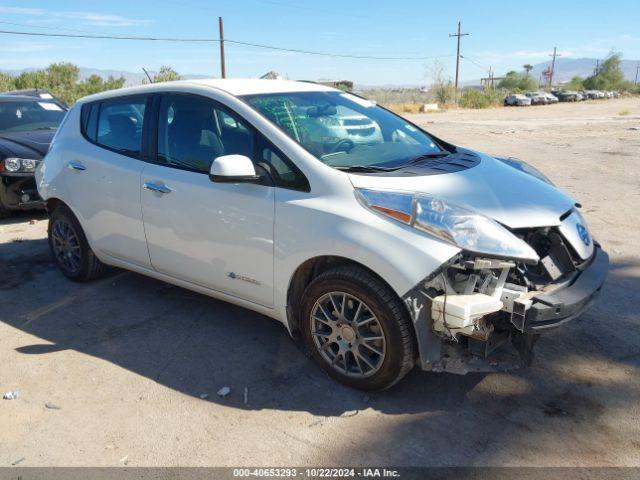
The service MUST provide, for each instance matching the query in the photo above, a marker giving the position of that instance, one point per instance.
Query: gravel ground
(125, 370)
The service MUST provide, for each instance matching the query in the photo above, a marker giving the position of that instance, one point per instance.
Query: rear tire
(357, 329)
(70, 248)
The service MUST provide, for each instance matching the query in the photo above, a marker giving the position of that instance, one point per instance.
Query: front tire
(357, 329)
(70, 248)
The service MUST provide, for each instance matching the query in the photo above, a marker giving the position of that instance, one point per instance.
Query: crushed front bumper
(551, 309)
(512, 346)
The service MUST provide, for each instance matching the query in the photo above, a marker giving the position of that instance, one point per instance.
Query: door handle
(76, 166)
(156, 187)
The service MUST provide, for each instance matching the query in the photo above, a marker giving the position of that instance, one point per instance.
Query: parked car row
(578, 96)
(529, 98)
(546, 98)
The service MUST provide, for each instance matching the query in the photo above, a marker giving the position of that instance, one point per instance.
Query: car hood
(492, 188)
(33, 144)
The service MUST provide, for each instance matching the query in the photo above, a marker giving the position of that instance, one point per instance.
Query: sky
(501, 36)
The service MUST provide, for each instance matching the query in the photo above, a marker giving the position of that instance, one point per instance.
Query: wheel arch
(52, 203)
(304, 275)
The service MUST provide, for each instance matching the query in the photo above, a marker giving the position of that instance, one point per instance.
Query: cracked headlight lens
(456, 225)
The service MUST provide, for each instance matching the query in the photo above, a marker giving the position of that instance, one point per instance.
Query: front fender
(401, 255)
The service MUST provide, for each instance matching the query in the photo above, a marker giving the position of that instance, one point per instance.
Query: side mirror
(233, 169)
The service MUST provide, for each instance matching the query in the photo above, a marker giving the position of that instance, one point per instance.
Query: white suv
(378, 255)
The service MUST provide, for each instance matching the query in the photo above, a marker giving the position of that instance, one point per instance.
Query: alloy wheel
(347, 334)
(66, 245)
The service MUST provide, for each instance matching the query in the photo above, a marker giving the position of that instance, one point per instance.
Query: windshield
(20, 116)
(343, 130)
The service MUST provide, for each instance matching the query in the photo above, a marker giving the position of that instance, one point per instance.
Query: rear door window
(120, 124)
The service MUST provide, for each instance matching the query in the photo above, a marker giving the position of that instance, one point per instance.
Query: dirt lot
(134, 364)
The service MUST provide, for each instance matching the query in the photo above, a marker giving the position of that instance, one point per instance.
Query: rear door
(216, 235)
(103, 177)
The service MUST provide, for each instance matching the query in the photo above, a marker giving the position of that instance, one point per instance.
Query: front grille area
(356, 121)
(557, 258)
(361, 132)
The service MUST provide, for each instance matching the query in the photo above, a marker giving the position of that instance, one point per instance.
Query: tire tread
(361, 277)
(93, 268)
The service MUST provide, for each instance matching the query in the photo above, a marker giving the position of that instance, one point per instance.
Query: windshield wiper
(364, 168)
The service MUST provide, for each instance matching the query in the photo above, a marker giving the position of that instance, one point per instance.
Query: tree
(527, 68)
(166, 74)
(6, 83)
(517, 82)
(576, 83)
(609, 75)
(62, 80)
(96, 83)
(442, 88)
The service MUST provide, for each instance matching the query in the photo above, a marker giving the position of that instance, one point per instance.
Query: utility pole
(223, 70)
(553, 65)
(595, 70)
(458, 55)
(637, 68)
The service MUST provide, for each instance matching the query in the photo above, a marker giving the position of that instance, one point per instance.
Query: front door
(216, 235)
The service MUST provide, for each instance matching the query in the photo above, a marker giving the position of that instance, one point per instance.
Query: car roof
(233, 86)
(4, 97)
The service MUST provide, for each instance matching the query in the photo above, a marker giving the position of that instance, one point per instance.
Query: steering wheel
(344, 145)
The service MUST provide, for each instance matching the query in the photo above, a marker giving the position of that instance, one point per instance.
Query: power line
(483, 67)
(339, 55)
(106, 37)
(214, 40)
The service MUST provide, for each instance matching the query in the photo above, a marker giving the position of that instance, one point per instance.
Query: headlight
(526, 168)
(12, 164)
(20, 164)
(459, 226)
(29, 165)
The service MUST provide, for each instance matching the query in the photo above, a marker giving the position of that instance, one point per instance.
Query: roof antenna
(147, 74)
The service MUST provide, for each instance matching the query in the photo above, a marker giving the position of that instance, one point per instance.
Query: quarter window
(120, 124)
(90, 120)
(193, 131)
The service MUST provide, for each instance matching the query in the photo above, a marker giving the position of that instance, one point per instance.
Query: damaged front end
(479, 314)
(18, 191)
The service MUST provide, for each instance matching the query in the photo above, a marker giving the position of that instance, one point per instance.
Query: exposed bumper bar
(549, 310)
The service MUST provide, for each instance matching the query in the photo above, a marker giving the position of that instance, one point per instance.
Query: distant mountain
(132, 78)
(567, 68)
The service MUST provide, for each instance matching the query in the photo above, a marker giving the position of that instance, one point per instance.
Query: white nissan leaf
(378, 255)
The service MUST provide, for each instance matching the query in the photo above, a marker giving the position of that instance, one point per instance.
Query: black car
(27, 126)
(36, 92)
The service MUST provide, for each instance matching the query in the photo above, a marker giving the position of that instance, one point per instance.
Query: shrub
(481, 99)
